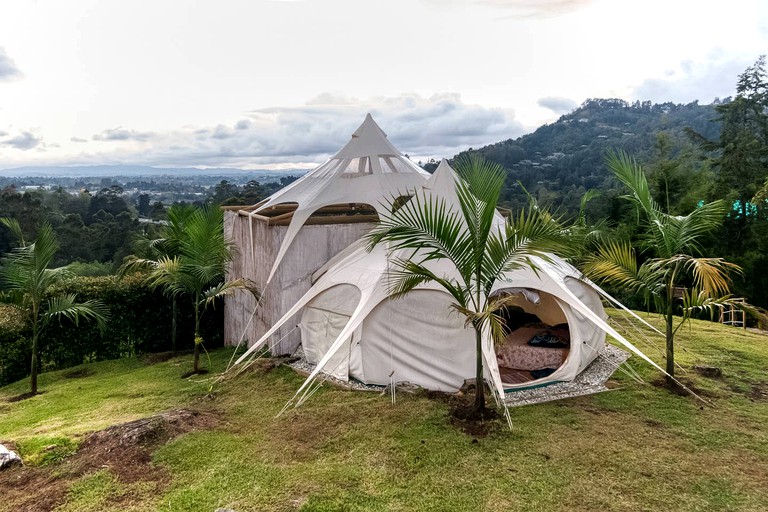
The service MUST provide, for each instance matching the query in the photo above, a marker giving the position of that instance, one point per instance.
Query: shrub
(140, 322)
(15, 350)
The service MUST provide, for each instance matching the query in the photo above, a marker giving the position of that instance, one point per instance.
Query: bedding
(517, 354)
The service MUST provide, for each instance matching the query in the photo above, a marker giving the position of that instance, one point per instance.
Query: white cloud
(536, 8)
(8, 69)
(557, 104)
(123, 134)
(24, 141)
(438, 126)
(703, 81)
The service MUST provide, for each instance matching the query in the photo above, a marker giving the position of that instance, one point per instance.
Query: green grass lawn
(637, 447)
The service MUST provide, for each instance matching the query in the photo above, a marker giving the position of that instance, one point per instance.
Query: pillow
(561, 331)
(547, 340)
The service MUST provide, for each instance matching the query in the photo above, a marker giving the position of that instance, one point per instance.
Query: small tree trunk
(34, 365)
(196, 361)
(173, 325)
(479, 380)
(670, 346)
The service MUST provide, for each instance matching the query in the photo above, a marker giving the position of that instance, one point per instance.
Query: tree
(193, 262)
(143, 205)
(223, 191)
(743, 144)
(428, 228)
(669, 242)
(28, 280)
(167, 245)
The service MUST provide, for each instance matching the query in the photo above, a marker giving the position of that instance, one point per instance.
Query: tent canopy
(368, 171)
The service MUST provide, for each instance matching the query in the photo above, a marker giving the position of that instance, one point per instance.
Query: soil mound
(124, 449)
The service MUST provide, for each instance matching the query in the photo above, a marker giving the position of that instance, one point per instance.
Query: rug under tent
(592, 380)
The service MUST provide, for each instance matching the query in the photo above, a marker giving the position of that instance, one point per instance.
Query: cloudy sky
(283, 83)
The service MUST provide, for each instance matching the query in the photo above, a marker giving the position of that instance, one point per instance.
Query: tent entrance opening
(537, 340)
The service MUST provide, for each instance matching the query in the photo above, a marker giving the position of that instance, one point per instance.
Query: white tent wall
(593, 338)
(313, 247)
(421, 339)
(323, 319)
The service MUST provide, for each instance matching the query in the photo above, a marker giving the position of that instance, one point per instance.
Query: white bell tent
(351, 328)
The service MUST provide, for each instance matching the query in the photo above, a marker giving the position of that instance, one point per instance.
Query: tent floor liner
(592, 380)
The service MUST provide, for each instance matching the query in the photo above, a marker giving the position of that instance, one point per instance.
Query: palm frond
(405, 275)
(531, 233)
(15, 228)
(66, 307)
(425, 224)
(616, 263)
(629, 172)
(133, 264)
(478, 188)
(228, 289)
(712, 275)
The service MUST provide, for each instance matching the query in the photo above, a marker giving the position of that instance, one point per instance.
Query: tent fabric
(367, 170)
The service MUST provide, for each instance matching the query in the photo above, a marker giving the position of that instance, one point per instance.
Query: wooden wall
(312, 248)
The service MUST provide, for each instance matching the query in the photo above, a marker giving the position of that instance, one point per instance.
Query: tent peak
(368, 126)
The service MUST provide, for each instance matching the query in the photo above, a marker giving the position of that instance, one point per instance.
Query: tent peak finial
(368, 126)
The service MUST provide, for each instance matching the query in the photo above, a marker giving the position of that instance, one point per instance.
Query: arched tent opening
(322, 321)
(545, 339)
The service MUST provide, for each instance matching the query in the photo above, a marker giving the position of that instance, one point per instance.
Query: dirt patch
(123, 449)
(156, 357)
(679, 390)
(653, 423)
(201, 371)
(23, 396)
(259, 366)
(759, 392)
(475, 427)
(466, 418)
(78, 374)
(439, 396)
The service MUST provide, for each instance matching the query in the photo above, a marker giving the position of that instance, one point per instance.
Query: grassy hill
(637, 447)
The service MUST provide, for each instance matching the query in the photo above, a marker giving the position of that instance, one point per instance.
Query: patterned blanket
(517, 354)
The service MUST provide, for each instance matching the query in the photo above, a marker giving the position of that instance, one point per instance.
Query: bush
(15, 348)
(92, 269)
(140, 322)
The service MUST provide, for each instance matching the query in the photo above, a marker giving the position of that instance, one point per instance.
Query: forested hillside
(690, 153)
(560, 161)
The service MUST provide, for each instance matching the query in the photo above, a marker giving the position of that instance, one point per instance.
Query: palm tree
(669, 242)
(473, 240)
(27, 283)
(166, 245)
(195, 265)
